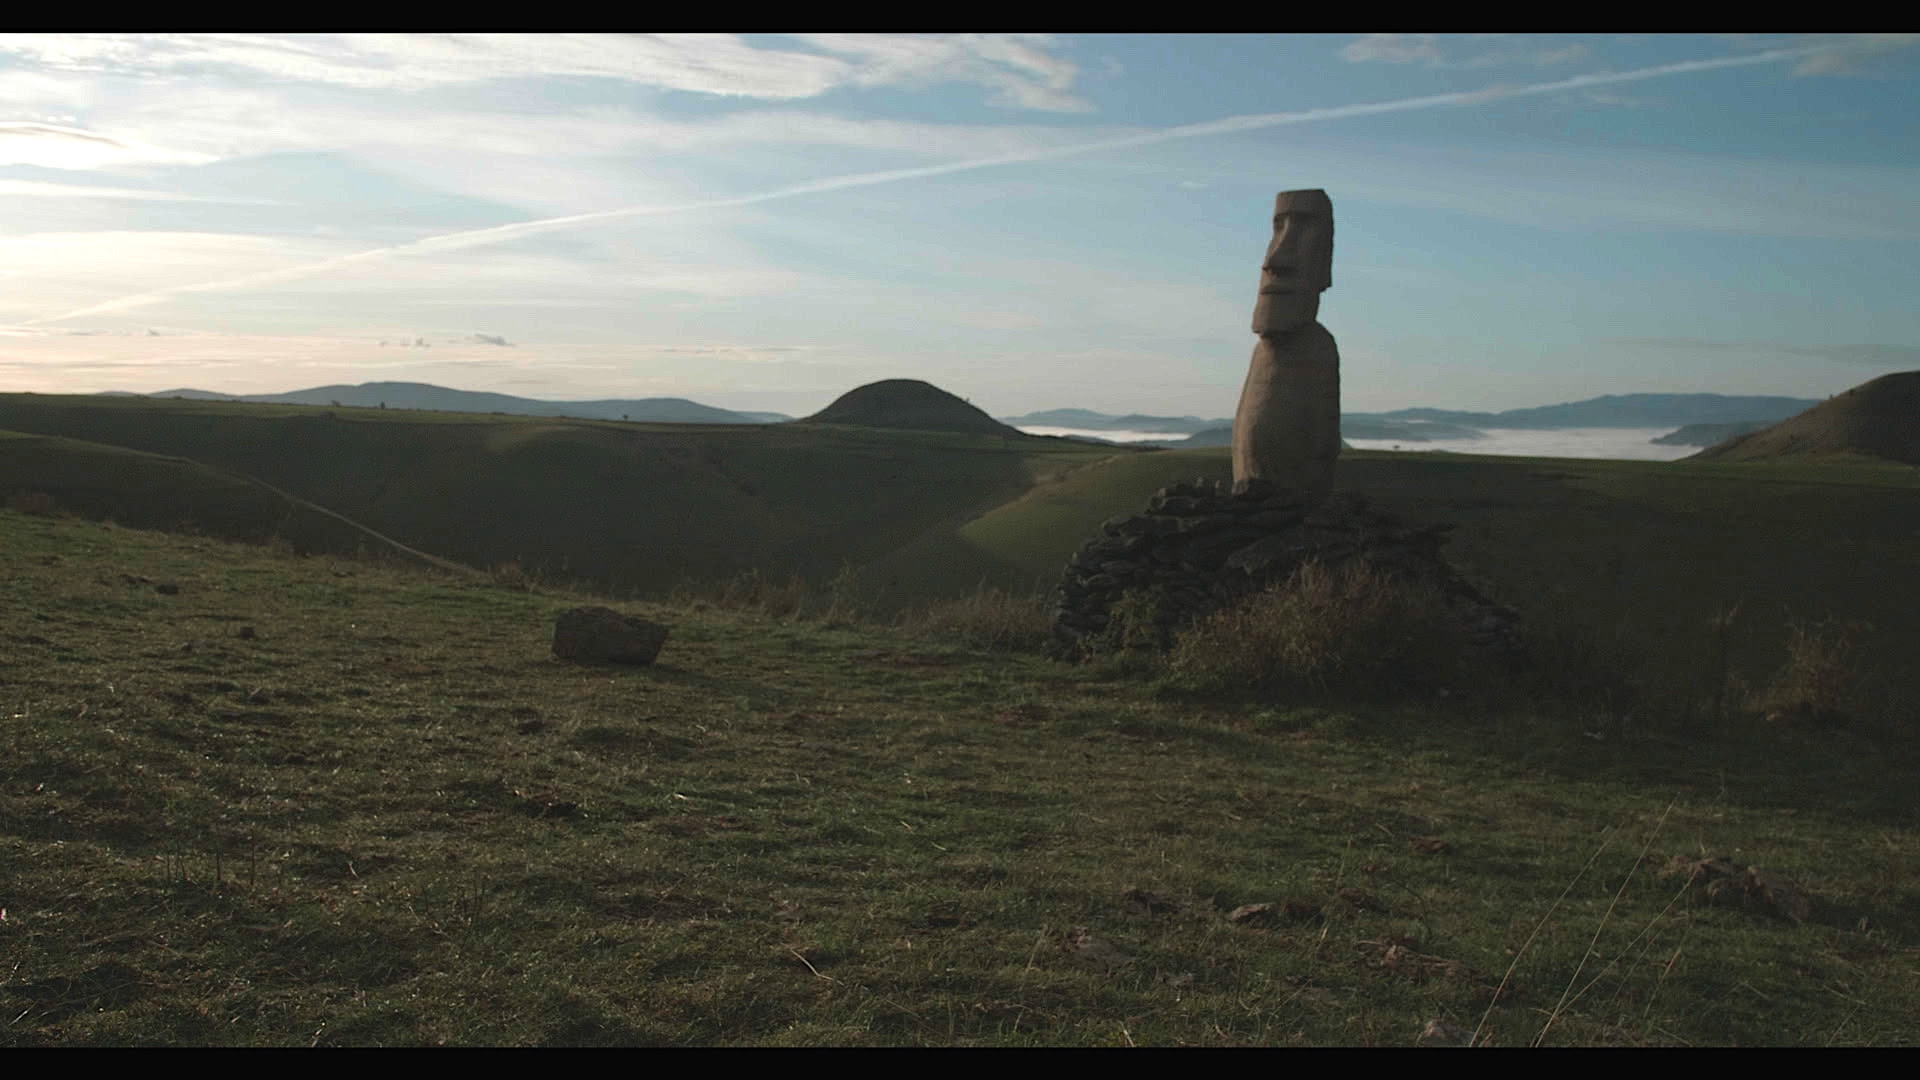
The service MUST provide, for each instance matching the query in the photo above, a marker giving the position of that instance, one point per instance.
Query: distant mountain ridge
(1620, 410)
(408, 395)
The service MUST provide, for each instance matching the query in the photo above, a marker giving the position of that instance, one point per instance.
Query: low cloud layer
(1865, 354)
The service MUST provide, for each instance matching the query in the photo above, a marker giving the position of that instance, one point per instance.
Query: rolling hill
(629, 507)
(1878, 419)
(156, 491)
(909, 404)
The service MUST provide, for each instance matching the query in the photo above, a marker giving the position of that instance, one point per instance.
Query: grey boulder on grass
(598, 635)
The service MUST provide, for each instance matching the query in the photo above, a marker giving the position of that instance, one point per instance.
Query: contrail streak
(501, 233)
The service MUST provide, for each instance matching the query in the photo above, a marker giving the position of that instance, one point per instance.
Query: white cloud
(37, 265)
(86, 271)
(1857, 56)
(705, 63)
(23, 92)
(56, 146)
(32, 189)
(1428, 48)
(1016, 68)
(1393, 49)
(562, 159)
(1612, 97)
(481, 237)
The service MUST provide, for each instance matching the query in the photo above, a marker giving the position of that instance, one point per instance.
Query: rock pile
(1200, 548)
(598, 635)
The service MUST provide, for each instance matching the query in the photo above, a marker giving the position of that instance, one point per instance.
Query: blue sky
(1030, 221)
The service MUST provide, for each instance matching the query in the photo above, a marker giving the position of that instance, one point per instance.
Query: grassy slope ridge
(1877, 419)
(156, 491)
(625, 506)
(320, 802)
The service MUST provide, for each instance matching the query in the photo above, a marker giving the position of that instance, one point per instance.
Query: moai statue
(1287, 429)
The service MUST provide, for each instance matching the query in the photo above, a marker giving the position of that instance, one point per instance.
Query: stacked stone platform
(1199, 548)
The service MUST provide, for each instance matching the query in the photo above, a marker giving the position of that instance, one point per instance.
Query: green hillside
(50, 474)
(626, 507)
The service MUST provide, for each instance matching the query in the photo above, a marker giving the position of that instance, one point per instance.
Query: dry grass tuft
(988, 618)
(1351, 628)
(1818, 678)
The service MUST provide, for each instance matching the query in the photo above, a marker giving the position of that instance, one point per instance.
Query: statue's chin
(1278, 313)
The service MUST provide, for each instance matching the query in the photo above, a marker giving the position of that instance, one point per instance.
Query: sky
(1028, 221)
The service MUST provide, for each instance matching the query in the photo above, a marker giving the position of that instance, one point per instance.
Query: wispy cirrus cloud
(1249, 122)
(705, 63)
(1018, 69)
(57, 146)
(1393, 49)
(34, 189)
(1629, 101)
(1858, 57)
(1463, 50)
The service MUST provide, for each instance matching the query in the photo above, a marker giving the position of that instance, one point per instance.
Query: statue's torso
(1287, 428)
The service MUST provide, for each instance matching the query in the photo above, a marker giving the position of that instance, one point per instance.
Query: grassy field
(255, 799)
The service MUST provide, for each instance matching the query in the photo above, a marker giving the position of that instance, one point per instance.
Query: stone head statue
(1299, 262)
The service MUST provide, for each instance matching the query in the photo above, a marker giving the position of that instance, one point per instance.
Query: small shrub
(848, 600)
(1353, 628)
(511, 575)
(1819, 674)
(989, 618)
(750, 591)
(1134, 622)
